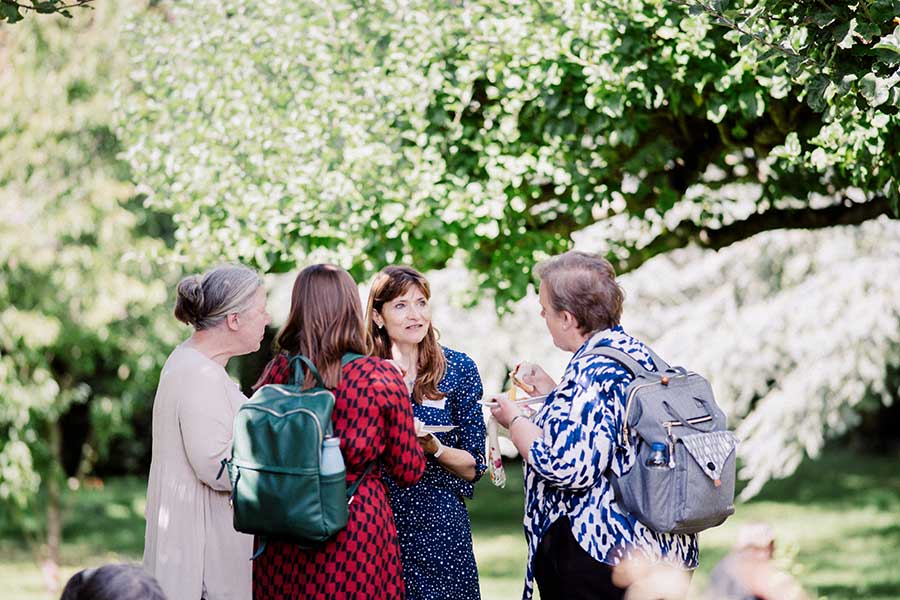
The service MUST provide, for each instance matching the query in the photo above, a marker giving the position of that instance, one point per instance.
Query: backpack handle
(297, 362)
(637, 370)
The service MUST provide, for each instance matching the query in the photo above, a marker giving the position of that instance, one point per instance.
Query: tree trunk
(54, 514)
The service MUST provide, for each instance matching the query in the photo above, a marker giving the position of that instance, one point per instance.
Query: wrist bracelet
(440, 450)
(513, 420)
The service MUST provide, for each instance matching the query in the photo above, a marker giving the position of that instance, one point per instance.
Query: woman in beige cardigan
(191, 546)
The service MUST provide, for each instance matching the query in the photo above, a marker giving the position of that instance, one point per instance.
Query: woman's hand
(429, 443)
(506, 410)
(533, 375)
(508, 414)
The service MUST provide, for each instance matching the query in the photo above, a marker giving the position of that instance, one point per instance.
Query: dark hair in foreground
(325, 320)
(112, 582)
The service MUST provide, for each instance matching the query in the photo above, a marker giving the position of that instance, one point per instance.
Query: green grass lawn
(837, 521)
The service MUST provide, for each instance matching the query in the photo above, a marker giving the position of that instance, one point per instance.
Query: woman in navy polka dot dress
(444, 386)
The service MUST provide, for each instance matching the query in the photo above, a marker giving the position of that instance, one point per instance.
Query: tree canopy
(487, 132)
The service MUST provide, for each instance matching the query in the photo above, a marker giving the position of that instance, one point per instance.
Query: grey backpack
(689, 485)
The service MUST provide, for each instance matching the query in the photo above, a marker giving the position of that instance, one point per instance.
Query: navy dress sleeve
(462, 385)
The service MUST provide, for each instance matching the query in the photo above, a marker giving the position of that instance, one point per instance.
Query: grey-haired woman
(190, 545)
(576, 529)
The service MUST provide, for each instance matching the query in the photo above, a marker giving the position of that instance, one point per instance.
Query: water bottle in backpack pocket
(692, 491)
(287, 472)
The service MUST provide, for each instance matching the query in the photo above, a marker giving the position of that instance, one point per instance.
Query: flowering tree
(491, 131)
(797, 332)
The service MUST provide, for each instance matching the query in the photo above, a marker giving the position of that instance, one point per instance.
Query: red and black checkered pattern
(373, 418)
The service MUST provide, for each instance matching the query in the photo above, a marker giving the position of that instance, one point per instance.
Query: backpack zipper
(275, 413)
(628, 400)
(693, 421)
(670, 424)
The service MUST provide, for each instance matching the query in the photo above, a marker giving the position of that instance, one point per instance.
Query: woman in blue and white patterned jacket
(576, 531)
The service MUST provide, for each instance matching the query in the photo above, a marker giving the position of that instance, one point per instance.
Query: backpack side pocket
(647, 492)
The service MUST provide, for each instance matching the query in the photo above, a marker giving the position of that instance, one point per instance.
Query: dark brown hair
(431, 365)
(325, 321)
(584, 285)
(112, 582)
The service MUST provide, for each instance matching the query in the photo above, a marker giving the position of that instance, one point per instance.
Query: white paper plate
(438, 428)
(520, 402)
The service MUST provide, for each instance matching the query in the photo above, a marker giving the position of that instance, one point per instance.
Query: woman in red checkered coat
(373, 418)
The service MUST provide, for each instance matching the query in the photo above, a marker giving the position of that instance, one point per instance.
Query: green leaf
(46, 8)
(845, 34)
(751, 103)
(695, 10)
(889, 42)
(815, 92)
(10, 12)
(767, 55)
(791, 148)
(824, 18)
(798, 37)
(874, 89)
(866, 32)
(717, 111)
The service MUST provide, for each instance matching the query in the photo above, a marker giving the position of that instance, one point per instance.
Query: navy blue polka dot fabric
(432, 520)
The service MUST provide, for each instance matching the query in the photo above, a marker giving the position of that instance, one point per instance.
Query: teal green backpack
(277, 490)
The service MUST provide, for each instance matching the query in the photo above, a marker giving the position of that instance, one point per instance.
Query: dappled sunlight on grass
(838, 518)
(501, 556)
(838, 533)
(498, 538)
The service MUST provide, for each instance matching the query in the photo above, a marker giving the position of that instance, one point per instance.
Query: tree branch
(735, 25)
(48, 7)
(845, 213)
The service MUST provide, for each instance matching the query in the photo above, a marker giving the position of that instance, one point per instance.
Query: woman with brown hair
(444, 387)
(374, 422)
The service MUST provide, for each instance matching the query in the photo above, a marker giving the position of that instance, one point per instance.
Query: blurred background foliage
(141, 141)
(83, 300)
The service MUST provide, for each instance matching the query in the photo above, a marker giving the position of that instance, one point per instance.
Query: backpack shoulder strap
(659, 363)
(349, 357)
(620, 357)
(352, 489)
(298, 362)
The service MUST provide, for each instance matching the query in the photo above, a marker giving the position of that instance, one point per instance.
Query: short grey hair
(584, 285)
(205, 300)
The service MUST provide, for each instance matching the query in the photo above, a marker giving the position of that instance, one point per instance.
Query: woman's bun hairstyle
(189, 305)
(206, 300)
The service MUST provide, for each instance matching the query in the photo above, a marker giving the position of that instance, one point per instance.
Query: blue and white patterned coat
(566, 471)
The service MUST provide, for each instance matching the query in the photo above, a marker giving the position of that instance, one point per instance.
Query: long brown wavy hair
(390, 283)
(325, 321)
